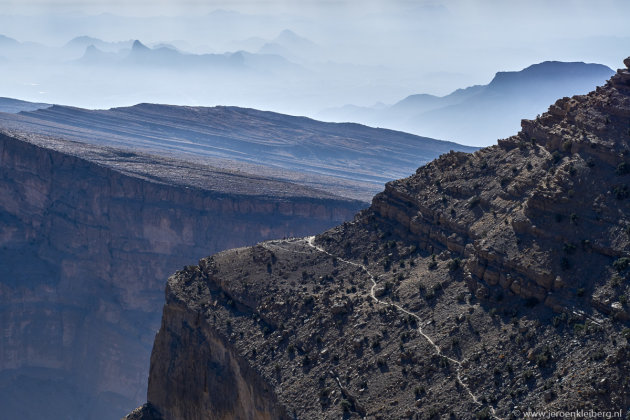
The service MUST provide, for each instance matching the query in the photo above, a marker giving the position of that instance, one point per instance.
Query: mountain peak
(139, 46)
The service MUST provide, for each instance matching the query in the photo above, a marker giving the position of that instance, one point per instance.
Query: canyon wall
(84, 254)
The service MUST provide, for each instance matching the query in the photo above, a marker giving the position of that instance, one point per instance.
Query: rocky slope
(87, 236)
(484, 286)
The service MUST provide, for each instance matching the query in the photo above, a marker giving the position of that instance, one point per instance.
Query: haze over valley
(270, 209)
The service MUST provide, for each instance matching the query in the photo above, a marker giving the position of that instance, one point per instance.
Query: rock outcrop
(483, 286)
(87, 237)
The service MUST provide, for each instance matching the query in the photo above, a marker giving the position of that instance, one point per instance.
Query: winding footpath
(310, 241)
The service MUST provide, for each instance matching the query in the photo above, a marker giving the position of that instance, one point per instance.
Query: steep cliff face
(484, 286)
(84, 251)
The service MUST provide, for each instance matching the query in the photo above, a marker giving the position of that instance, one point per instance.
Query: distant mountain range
(481, 114)
(287, 72)
(168, 57)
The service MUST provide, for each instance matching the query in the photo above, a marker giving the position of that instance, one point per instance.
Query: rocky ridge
(484, 286)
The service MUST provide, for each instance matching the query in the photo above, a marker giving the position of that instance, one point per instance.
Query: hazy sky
(424, 35)
(424, 46)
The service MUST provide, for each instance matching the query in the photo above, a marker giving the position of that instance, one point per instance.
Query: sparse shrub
(580, 292)
(573, 218)
(556, 156)
(565, 264)
(387, 262)
(622, 169)
(484, 414)
(621, 263)
(474, 201)
(556, 321)
(530, 302)
(454, 264)
(432, 265)
(566, 146)
(598, 354)
(621, 191)
(615, 281)
(529, 166)
(346, 405)
(568, 248)
(376, 343)
(590, 162)
(543, 358)
(623, 299)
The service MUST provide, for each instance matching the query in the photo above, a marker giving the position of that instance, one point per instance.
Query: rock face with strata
(483, 286)
(543, 213)
(86, 241)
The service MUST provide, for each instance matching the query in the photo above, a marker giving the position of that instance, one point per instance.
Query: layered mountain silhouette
(481, 114)
(168, 57)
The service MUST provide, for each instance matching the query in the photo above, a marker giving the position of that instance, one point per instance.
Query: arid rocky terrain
(483, 286)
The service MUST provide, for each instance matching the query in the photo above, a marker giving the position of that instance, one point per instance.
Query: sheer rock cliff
(87, 237)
